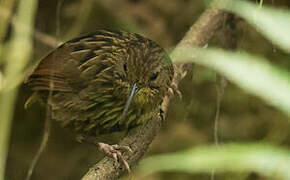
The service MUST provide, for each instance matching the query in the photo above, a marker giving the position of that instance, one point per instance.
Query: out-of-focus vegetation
(270, 83)
(266, 160)
(244, 117)
(14, 55)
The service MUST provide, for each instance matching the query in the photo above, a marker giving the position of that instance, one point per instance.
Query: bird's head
(144, 74)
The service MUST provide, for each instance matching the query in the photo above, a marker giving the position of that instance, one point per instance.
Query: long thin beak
(133, 91)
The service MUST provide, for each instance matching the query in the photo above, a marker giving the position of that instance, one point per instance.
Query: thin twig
(46, 39)
(228, 40)
(48, 116)
(45, 137)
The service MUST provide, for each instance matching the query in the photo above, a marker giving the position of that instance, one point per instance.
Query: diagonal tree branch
(140, 138)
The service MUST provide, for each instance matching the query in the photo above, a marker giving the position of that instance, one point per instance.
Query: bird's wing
(65, 69)
(77, 62)
(52, 73)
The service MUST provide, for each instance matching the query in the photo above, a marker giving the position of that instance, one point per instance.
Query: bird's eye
(125, 67)
(154, 76)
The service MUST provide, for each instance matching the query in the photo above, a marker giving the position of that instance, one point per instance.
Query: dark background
(190, 122)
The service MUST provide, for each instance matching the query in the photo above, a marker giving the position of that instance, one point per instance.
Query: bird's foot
(115, 152)
(173, 89)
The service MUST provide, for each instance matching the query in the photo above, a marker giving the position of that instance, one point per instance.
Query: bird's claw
(173, 90)
(122, 148)
(114, 151)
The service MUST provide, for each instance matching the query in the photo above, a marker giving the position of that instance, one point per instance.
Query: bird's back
(80, 76)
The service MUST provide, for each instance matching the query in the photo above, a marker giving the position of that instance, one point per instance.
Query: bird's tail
(31, 100)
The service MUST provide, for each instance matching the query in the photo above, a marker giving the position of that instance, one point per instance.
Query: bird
(104, 82)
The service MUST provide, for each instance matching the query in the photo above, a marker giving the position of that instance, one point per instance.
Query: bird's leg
(113, 151)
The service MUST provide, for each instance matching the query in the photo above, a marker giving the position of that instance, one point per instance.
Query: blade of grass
(6, 7)
(251, 73)
(265, 159)
(19, 52)
(5, 15)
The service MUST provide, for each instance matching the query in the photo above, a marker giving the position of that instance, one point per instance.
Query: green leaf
(264, 159)
(273, 23)
(251, 73)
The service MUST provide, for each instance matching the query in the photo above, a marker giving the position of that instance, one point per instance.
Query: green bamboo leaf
(251, 73)
(265, 159)
(273, 23)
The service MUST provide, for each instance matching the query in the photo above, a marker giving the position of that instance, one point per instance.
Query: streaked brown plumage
(91, 78)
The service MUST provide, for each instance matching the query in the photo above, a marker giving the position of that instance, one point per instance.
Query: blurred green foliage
(190, 122)
(13, 59)
(264, 159)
